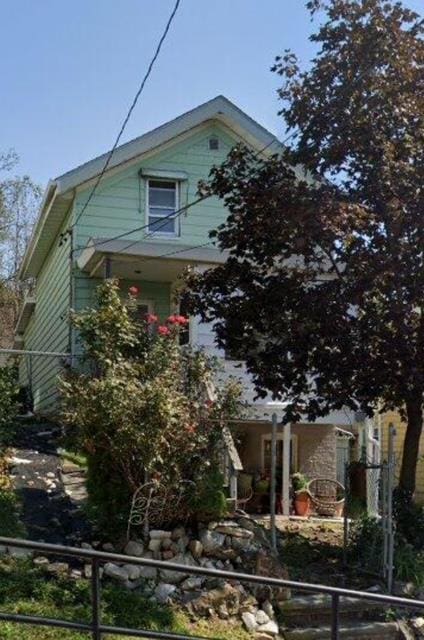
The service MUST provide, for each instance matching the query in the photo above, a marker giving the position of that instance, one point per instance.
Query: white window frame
(280, 436)
(163, 234)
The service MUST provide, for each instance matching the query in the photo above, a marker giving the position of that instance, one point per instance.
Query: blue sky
(69, 70)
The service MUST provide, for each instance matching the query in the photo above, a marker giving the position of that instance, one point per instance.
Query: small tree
(323, 291)
(143, 412)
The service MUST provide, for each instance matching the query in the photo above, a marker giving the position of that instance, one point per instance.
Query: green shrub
(145, 412)
(9, 515)
(409, 518)
(8, 402)
(366, 543)
(208, 501)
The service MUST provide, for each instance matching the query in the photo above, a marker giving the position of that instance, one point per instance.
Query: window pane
(161, 225)
(162, 197)
(162, 184)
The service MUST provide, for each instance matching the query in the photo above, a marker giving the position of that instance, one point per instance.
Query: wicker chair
(328, 496)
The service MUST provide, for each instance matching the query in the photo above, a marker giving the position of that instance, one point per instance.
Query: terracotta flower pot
(302, 503)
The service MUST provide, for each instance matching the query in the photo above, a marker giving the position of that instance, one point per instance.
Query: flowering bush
(145, 413)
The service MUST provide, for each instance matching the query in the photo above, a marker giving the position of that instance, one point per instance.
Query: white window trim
(163, 234)
(280, 436)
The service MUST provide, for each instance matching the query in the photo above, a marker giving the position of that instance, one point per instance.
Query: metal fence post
(335, 616)
(95, 599)
(273, 481)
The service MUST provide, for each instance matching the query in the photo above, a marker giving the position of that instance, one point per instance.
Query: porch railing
(97, 558)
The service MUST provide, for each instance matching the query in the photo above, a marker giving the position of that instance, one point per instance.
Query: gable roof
(59, 192)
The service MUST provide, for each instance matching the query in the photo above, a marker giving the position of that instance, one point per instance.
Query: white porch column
(286, 469)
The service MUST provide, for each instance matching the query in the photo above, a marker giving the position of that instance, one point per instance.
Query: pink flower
(151, 318)
(178, 320)
(134, 291)
(163, 331)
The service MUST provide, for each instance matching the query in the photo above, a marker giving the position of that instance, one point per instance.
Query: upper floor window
(162, 204)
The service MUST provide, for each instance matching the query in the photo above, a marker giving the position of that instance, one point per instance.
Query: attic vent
(213, 144)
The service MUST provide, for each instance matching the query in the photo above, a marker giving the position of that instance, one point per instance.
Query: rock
(133, 571)
(270, 627)
(269, 565)
(41, 561)
(240, 544)
(167, 544)
(211, 600)
(76, 574)
(108, 547)
(192, 583)
(211, 541)
(182, 544)
(249, 621)
(148, 573)
(168, 554)
(269, 609)
(248, 524)
(163, 592)
(261, 617)
(155, 544)
(178, 532)
(196, 548)
(50, 474)
(223, 612)
(403, 588)
(234, 531)
(174, 577)
(17, 552)
(88, 570)
(86, 545)
(115, 572)
(134, 548)
(58, 567)
(158, 534)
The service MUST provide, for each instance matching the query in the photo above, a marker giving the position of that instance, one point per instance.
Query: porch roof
(25, 315)
(156, 260)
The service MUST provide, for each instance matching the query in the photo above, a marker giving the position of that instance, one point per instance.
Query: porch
(310, 449)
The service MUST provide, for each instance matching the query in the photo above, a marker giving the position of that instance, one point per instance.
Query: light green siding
(119, 203)
(48, 328)
(118, 206)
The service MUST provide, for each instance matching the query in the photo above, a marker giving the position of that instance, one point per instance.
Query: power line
(131, 109)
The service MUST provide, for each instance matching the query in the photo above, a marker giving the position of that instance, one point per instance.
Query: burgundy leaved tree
(323, 290)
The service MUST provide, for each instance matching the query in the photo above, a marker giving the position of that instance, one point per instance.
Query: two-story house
(133, 228)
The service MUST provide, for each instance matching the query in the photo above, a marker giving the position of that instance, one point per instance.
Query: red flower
(163, 331)
(183, 321)
(134, 291)
(151, 318)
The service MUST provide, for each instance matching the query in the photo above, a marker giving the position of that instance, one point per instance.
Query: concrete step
(317, 608)
(349, 631)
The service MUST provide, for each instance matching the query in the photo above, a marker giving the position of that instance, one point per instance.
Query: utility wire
(131, 109)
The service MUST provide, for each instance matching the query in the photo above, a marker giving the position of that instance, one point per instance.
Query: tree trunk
(414, 411)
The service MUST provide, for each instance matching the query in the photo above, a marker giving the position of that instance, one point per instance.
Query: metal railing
(96, 558)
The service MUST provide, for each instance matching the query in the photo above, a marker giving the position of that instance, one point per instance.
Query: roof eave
(46, 204)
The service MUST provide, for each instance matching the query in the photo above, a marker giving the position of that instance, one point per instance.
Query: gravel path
(48, 513)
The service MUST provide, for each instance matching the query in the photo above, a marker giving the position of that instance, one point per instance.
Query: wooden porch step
(351, 631)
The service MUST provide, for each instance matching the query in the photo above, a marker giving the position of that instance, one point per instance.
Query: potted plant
(302, 498)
